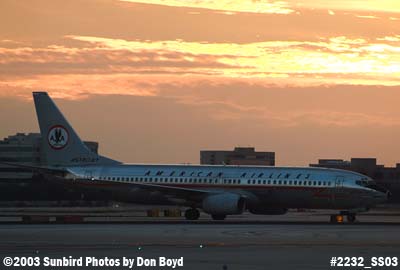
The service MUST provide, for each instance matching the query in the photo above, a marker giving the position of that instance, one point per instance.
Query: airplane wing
(170, 192)
(39, 169)
(178, 194)
(173, 193)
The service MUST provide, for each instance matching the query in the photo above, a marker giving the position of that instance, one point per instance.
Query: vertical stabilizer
(60, 142)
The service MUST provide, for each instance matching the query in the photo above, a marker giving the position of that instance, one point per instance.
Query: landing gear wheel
(192, 214)
(336, 219)
(351, 218)
(218, 217)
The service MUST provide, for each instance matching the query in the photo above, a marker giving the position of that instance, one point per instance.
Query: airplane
(219, 190)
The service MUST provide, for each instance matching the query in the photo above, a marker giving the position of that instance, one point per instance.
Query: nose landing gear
(351, 217)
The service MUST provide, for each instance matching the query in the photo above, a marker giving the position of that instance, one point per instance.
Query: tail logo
(58, 137)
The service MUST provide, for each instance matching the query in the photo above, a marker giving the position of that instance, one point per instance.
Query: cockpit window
(369, 183)
(363, 182)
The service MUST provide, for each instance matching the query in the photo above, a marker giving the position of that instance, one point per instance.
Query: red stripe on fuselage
(317, 190)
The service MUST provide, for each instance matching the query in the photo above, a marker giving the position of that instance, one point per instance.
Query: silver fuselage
(275, 187)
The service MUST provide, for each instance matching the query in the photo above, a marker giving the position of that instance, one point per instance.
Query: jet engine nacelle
(268, 211)
(224, 204)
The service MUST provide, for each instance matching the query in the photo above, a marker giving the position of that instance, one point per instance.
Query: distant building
(386, 176)
(367, 166)
(20, 183)
(239, 156)
(24, 149)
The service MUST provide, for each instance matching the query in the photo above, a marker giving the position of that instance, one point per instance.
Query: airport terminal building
(21, 184)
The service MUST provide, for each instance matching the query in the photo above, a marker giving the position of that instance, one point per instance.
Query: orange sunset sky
(158, 80)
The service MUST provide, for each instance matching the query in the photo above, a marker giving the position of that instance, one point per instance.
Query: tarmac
(299, 241)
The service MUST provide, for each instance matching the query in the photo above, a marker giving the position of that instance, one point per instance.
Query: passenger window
(284, 182)
(315, 183)
(274, 182)
(254, 181)
(290, 183)
(319, 183)
(269, 182)
(264, 182)
(280, 182)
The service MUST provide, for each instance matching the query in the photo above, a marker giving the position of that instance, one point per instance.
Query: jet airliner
(218, 190)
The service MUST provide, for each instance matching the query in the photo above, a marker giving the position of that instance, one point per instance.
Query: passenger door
(88, 174)
(337, 190)
(339, 182)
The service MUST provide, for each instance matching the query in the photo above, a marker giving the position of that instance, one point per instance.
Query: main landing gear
(192, 214)
(351, 217)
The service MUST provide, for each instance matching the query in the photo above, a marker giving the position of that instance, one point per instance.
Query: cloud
(331, 60)
(391, 6)
(280, 7)
(229, 7)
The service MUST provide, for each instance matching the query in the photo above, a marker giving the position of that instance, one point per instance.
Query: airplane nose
(381, 197)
